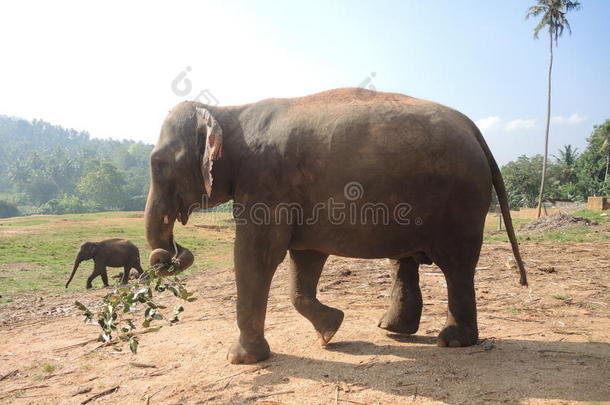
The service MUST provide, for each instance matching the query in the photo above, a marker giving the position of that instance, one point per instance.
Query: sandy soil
(544, 344)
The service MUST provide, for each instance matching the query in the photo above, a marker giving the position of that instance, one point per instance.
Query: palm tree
(566, 160)
(554, 18)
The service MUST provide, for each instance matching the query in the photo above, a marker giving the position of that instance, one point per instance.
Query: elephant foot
(457, 336)
(248, 353)
(328, 324)
(399, 322)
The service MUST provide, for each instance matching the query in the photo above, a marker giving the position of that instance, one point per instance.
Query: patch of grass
(562, 297)
(32, 222)
(49, 368)
(570, 234)
(514, 310)
(41, 258)
(594, 215)
(6, 300)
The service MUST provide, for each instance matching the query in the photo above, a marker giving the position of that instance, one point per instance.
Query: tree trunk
(548, 122)
(607, 164)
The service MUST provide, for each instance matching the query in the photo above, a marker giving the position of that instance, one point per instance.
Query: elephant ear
(92, 248)
(207, 125)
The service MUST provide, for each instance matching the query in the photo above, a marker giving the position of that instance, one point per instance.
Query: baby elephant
(110, 252)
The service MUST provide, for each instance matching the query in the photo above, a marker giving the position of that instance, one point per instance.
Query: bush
(136, 203)
(64, 205)
(8, 210)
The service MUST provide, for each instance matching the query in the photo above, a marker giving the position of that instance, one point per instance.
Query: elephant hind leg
(125, 279)
(461, 325)
(404, 312)
(305, 270)
(138, 267)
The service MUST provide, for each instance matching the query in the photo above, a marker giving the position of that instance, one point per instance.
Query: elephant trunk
(76, 263)
(159, 223)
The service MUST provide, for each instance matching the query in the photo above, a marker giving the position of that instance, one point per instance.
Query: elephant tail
(498, 183)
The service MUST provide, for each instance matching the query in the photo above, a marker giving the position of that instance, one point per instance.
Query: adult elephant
(347, 172)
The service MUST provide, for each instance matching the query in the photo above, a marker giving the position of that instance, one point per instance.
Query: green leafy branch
(116, 316)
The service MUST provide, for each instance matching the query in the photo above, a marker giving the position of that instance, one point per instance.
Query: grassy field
(566, 235)
(37, 252)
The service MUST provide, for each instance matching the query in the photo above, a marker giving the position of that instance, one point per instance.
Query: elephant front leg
(98, 270)
(256, 258)
(305, 270)
(404, 312)
(104, 274)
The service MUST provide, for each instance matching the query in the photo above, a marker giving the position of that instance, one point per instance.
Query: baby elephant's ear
(93, 247)
(210, 128)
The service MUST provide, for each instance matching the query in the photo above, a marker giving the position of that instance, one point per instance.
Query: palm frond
(553, 16)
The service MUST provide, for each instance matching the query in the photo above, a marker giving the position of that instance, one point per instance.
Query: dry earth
(543, 344)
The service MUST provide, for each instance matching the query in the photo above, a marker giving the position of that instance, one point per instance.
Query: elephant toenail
(455, 343)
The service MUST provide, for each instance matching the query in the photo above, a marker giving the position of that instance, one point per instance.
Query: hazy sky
(108, 67)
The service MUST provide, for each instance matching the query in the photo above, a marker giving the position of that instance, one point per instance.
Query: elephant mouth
(167, 257)
(166, 264)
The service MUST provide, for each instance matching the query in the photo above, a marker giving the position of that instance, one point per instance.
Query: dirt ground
(544, 344)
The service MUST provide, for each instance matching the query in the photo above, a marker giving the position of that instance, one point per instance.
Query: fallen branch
(141, 365)
(48, 377)
(514, 319)
(101, 394)
(9, 375)
(255, 397)
(82, 391)
(235, 375)
(353, 402)
(31, 387)
(148, 397)
(85, 343)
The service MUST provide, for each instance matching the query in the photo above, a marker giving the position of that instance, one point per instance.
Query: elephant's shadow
(464, 375)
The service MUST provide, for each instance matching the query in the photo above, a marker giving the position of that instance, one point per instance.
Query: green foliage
(522, 179)
(103, 185)
(572, 176)
(592, 166)
(48, 368)
(116, 316)
(553, 18)
(48, 169)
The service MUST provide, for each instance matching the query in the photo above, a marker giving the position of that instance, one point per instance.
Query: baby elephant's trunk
(76, 263)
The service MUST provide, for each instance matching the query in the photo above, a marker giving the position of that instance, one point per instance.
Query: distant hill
(45, 168)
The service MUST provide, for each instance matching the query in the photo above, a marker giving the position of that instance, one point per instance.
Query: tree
(592, 165)
(567, 160)
(104, 185)
(602, 133)
(554, 18)
(522, 178)
(8, 210)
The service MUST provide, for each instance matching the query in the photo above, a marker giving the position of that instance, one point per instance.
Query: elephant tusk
(166, 220)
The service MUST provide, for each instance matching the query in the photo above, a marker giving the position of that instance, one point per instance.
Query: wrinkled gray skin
(305, 150)
(110, 252)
